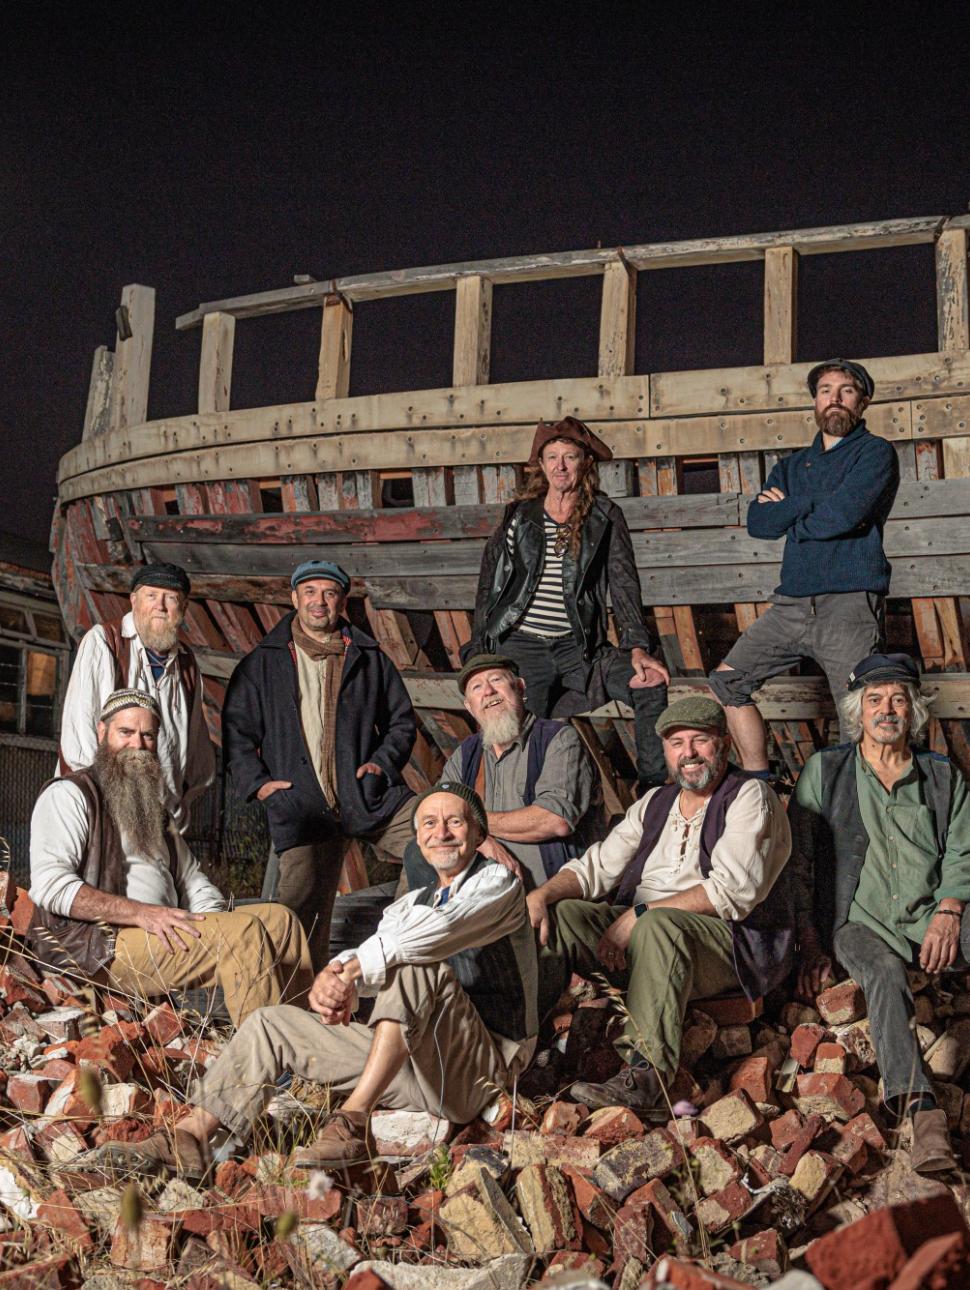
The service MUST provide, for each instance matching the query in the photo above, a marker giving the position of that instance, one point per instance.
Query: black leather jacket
(508, 580)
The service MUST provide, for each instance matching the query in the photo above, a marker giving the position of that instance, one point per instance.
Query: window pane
(9, 686)
(41, 689)
(52, 629)
(12, 620)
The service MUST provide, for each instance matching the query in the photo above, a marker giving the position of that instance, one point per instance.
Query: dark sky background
(212, 150)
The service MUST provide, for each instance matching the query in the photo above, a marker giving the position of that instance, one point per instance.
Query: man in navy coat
(317, 725)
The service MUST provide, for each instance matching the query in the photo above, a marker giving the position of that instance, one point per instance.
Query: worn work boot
(931, 1152)
(173, 1152)
(345, 1139)
(636, 1087)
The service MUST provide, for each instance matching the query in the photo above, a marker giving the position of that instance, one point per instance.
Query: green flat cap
(481, 662)
(697, 712)
(461, 790)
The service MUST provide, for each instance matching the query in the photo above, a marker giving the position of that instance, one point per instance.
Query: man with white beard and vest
(452, 967)
(695, 908)
(143, 652)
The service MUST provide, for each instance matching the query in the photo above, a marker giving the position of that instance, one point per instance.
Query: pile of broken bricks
(778, 1168)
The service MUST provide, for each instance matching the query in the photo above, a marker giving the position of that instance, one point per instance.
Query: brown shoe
(636, 1087)
(931, 1152)
(345, 1139)
(175, 1152)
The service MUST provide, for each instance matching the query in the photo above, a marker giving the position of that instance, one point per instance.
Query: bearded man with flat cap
(452, 968)
(120, 900)
(695, 907)
(143, 652)
(881, 877)
(829, 502)
(561, 548)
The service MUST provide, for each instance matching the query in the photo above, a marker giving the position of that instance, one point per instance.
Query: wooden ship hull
(238, 496)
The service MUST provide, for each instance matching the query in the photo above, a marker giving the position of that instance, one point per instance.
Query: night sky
(215, 150)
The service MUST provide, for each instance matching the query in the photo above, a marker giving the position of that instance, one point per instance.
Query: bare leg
(748, 732)
(387, 1056)
(199, 1123)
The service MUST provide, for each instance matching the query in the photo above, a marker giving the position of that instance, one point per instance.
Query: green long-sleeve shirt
(903, 876)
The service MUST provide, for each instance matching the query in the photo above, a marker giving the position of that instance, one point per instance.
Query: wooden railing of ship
(238, 496)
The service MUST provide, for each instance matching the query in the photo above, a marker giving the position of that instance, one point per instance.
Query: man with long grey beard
(143, 652)
(537, 781)
(120, 899)
(695, 904)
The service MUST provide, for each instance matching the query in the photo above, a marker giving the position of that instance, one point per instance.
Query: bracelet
(952, 912)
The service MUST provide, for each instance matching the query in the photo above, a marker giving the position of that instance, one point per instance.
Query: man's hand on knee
(333, 994)
(173, 927)
(612, 947)
(941, 944)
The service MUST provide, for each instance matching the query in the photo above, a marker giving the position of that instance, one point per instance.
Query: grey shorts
(837, 631)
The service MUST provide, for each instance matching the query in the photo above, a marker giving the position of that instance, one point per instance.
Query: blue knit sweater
(835, 507)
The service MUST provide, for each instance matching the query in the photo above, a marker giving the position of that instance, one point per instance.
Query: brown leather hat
(573, 430)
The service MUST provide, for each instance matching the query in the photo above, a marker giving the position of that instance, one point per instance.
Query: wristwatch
(639, 910)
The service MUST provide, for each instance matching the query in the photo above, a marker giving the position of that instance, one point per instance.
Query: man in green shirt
(881, 875)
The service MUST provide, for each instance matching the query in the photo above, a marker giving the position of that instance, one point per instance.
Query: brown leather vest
(70, 944)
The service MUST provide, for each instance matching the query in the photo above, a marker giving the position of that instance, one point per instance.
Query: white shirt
(58, 839)
(745, 861)
(478, 910)
(184, 748)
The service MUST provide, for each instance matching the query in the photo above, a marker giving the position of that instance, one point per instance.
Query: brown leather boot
(167, 1151)
(931, 1152)
(345, 1139)
(636, 1087)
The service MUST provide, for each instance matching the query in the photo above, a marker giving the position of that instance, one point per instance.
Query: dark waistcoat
(492, 975)
(840, 838)
(764, 941)
(71, 944)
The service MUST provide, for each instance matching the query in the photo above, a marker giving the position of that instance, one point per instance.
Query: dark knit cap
(482, 663)
(170, 577)
(461, 790)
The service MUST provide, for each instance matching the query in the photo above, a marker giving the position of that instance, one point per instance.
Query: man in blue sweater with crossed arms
(830, 502)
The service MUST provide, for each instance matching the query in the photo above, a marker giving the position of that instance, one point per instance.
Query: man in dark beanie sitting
(693, 911)
(453, 968)
(881, 876)
(143, 652)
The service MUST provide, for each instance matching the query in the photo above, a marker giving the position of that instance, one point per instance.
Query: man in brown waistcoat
(120, 899)
(694, 908)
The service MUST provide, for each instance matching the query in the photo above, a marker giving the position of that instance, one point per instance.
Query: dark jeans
(881, 974)
(553, 669)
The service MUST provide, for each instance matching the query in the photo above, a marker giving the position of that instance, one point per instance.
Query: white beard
(501, 729)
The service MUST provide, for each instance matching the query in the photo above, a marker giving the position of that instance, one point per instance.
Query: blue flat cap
(858, 373)
(879, 668)
(320, 569)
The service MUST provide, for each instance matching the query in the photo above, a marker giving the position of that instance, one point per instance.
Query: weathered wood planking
(133, 360)
(532, 268)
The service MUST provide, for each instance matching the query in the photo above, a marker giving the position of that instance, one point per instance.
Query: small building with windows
(34, 667)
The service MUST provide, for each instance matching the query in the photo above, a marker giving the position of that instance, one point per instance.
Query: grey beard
(502, 729)
(159, 639)
(131, 782)
(707, 777)
(888, 732)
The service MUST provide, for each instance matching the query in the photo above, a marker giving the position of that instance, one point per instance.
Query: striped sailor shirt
(545, 614)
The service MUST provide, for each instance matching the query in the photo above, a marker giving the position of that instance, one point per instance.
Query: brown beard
(837, 425)
(131, 782)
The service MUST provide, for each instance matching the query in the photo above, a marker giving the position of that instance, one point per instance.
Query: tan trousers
(258, 954)
(310, 875)
(454, 1067)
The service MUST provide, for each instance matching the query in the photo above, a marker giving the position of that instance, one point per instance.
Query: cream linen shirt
(745, 861)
